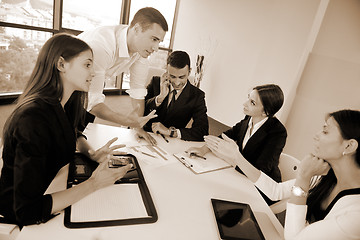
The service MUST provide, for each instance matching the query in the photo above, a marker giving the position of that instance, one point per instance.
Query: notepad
(118, 201)
(199, 165)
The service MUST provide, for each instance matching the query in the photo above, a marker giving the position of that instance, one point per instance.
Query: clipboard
(200, 165)
(81, 169)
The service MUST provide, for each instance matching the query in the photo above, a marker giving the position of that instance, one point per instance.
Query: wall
(331, 78)
(245, 43)
(310, 48)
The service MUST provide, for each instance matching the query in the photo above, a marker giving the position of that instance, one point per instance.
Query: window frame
(6, 98)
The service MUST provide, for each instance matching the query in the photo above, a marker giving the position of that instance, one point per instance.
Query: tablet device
(236, 221)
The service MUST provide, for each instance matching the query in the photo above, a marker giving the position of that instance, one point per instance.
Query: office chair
(288, 166)
(154, 71)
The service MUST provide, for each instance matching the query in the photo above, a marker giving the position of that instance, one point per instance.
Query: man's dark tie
(171, 104)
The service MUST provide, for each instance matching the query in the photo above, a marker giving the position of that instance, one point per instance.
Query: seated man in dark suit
(176, 102)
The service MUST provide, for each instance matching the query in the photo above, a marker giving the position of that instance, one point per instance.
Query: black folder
(81, 169)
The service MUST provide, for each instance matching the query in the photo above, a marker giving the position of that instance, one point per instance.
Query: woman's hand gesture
(105, 150)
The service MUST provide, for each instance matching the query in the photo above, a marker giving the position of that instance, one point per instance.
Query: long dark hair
(349, 125)
(45, 83)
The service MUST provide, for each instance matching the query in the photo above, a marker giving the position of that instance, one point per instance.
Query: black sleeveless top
(320, 214)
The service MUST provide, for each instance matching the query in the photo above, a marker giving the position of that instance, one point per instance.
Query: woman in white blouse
(329, 208)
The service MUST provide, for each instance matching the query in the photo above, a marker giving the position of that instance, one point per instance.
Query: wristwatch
(172, 131)
(298, 191)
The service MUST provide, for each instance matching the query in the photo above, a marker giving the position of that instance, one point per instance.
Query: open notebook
(199, 165)
(126, 202)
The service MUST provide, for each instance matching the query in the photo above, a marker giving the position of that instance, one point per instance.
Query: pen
(163, 136)
(139, 138)
(147, 154)
(196, 155)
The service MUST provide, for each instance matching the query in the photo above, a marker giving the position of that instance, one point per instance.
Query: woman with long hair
(329, 207)
(40, 136)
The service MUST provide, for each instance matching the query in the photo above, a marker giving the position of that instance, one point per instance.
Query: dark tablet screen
(236, 221)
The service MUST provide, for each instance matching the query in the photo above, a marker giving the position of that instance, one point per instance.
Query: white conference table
(181, 198)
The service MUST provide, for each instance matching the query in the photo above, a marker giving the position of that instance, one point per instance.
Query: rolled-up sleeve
(139, 78)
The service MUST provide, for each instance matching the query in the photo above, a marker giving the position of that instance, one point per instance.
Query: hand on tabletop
(158, 127)
(145, 135)
(201, 151)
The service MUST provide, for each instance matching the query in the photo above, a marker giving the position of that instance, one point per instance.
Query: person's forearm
(304, 183)
(138, 103)
(67, 197)
(250, 171)
(104, 112)
(83, 146)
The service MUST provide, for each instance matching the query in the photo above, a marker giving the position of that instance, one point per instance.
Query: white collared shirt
(171, 88)
(254, 129)
(111, 58)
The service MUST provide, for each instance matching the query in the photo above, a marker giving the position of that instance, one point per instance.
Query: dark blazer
(39, 144)
(189, 104)
(262, 149)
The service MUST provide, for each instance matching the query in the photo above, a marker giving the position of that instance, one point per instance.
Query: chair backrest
(288, 166)
(154, 71)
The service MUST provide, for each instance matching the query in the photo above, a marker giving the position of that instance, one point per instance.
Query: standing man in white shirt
(125, 48)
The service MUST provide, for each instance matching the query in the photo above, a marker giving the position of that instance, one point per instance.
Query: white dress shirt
(254, 129)
(111, 58)
(342, 222)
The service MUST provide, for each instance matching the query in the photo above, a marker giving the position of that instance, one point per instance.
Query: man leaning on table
(176, 102)
(124, 48)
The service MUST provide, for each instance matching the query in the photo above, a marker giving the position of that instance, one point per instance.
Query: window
(84, 14)
(25, 25)
(31, 13)
(18, 54)
(19, 47)
(166, 7)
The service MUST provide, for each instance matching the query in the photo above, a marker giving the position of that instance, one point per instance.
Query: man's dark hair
(179, 59)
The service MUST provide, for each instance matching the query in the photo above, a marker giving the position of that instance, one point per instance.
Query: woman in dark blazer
(260, 136)
(40, 136)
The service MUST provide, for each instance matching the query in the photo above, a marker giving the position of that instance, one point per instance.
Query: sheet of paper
(118, 201)
(200, 165)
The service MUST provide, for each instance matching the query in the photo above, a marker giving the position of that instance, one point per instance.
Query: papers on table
(200, 165)
(151, 155)
(118, 201)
